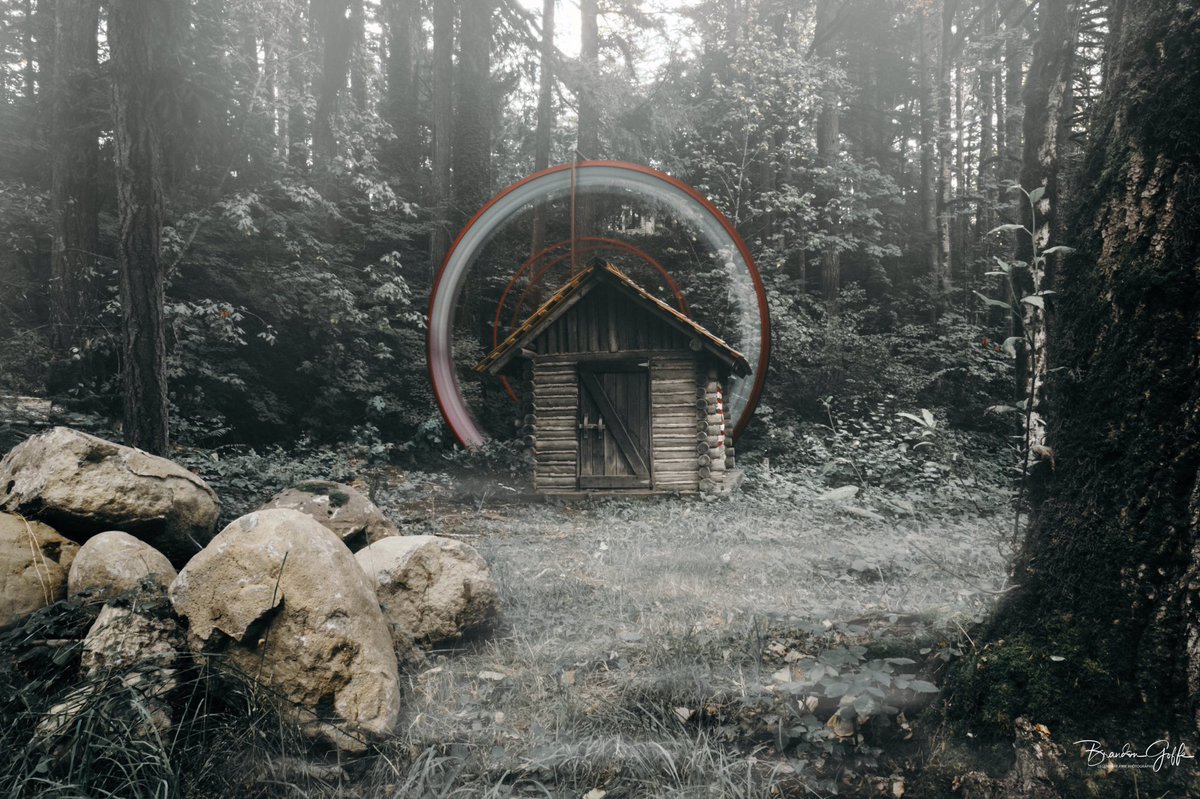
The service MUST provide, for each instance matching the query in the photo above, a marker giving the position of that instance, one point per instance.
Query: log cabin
(620, 392)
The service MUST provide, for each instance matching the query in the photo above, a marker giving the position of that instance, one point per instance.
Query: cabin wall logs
(687, 415)
(680, 427)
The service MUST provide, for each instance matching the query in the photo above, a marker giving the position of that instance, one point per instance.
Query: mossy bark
(1103, 624)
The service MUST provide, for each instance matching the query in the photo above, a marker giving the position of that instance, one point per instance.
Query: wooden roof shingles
(578, 287)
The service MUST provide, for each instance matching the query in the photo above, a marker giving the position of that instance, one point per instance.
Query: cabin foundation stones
(619, 392)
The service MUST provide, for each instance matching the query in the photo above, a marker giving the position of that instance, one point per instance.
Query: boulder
(113, 563)
(347, 512)
(128, 667)
(436, 588)
(122, 639)
(34, 563)
(83, 485)
(280, 600)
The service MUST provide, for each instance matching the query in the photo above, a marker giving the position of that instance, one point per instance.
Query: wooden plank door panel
(614, 426)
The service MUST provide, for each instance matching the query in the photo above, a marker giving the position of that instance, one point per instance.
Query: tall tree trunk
(587, 143)
(400, 101)
(1044, 129)
(27, 51)
(958, 240)
(297, 128)
(1014, 63)
(986, 176)
(472, 147)
(545, 118)
(931, 31)
(33, 166)
(1107, 576)
(139, 35)
(248, 74)
(274, 87)
(74, 153)
(827, 157)
(334, 27)
(945, 158)
(358, 55)
(442, 86)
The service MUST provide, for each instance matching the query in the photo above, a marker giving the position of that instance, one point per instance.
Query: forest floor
(780, 641)
(687, 647)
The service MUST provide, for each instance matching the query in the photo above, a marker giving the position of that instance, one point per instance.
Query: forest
(967, 543)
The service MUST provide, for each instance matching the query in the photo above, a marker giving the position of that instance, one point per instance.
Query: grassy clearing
(767, 644)
(668, 648)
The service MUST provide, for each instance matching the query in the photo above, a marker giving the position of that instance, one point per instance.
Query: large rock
(353, 517)
(436, 588)
(115, 562)
(280, 599)
(129, 666)
(83, 485)
(34, 562)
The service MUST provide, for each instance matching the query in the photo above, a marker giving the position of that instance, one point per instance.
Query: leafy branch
(1029, 311)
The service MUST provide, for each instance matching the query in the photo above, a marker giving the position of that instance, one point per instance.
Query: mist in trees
(223, 221)
(310, 163)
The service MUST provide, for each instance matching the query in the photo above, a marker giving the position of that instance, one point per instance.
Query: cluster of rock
(316, 596)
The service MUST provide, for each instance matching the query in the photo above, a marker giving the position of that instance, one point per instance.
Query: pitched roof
(580, 286)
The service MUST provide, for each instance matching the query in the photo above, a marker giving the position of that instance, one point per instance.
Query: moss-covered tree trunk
(1104, 623)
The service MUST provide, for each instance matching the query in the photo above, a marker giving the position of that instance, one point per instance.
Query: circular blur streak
(752, 334)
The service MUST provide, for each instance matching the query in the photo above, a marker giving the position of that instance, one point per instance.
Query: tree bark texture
(472, 145)
(442, 87)
(297, 91)
(74, 156)
(587, 142)
(333, 21)
(358, 56)
(1044, 129)
(1014, 74)
(1109, 575)
(986, 177)
(27, 52)
(545, 118)
(827, 158)
(400, 102)
(931, 30)
(945, 157)
(139, 39)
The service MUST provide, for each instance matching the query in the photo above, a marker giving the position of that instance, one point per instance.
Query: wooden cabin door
(614, 425)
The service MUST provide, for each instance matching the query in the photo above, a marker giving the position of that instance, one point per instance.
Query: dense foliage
(306, 195)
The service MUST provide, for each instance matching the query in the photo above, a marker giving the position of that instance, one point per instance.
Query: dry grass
(636, 637)
(650, 649)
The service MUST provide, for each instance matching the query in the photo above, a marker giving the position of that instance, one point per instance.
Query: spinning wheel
(699, 230)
